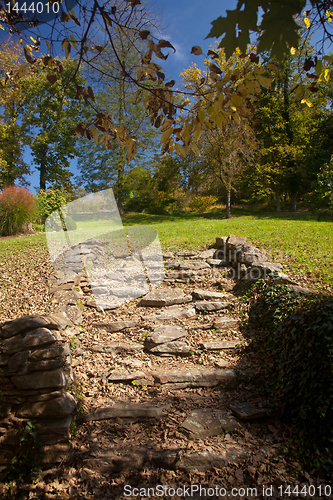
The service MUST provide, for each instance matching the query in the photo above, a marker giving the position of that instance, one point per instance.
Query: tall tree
(12, 166)
(227, 145)
(49, 115)
(226, 153)
(118, 97)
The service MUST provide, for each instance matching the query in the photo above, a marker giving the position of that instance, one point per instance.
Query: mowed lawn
(302, 244)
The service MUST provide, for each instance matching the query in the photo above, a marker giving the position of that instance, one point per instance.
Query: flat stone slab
(123, 376)
(163, 334)
(207, 254)
(176, 348)
(208, 295)
(165, 297)
(208, 422)
(65, 297)
(262, 269)
(133, 459)
(187, 253)
(115, 326)
(193, 265)
(247, 411)
(128, 291)
(222, 363)
(216, 262)
(60, 278)
(173, 312)
(99, 290)
(205, 460)
(212, 306)
(20, 325)
(118, 348)
(196, 377)
(221, 241)
(226, 323)
(219, 345)
(73, 313)
(186, 274)
(33, 338)
(55, 408)
(131, 410)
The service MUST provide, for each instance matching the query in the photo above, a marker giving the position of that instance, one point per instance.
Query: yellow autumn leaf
(293, 51)
(94, 133)
(1, 27)
(307, 22)
(195, 149)
(220, 120)
(253, 86)
(201, 115)
(329, 15)
(74, 42)
(264, 81)
(31, 38)
(237, 100)
(166, 134)
(307, 102)
(180, 150)
(299, 91)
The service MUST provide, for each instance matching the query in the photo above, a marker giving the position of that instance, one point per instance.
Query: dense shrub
(17, 206)
(202, 203)
(297, 332)
(48, 201)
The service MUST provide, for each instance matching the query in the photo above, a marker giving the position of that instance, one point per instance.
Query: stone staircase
(165, 377)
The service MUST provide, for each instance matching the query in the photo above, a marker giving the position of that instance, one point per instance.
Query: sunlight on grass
(301, 243)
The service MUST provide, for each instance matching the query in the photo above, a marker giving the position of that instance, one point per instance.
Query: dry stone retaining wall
(35, 364)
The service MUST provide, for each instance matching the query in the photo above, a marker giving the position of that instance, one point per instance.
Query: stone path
(163, 376)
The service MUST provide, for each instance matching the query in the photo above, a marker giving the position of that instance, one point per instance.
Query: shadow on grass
(147, 219)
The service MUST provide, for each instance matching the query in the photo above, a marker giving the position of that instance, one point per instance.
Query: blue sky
(187, 23)
(184, 23)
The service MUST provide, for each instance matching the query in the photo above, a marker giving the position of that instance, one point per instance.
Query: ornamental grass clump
(17, 207)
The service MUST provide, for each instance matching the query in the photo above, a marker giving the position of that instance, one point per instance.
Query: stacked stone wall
(35, 376)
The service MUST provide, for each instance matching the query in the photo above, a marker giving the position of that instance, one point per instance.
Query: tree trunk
(293, 202)
(122, 157)
(120, 185)
(277, 195)
(228, 205)
(293, 192)
(42, 175)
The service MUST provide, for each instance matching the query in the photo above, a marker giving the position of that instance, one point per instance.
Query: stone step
(118, 348)
(171, 313)
(165, 297)
(195, 377)
(106, 460)
(129, 410)
(208, 422)
(211, 306)
(175, 348)
(205, 461)
(219, 345)
(208, 295)
(226, 323)
(164, 334)
(115, 326)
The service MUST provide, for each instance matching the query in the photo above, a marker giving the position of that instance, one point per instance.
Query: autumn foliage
(17, 206)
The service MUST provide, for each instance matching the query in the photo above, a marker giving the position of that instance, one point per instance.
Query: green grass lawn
(302, 244)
